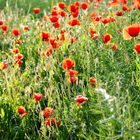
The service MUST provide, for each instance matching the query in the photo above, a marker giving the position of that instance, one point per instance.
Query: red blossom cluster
(81, 100)
(47, 112)
(18, 57)
(3, 65)
(67, 64)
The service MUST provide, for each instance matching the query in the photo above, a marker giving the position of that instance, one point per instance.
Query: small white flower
(105, 94)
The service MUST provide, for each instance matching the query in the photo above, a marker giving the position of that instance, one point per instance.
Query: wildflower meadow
(70, 70)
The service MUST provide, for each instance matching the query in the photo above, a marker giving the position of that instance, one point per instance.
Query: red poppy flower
(52, 40)
(73, 39)
(19, 56)
(62, 13)
(96, 18)
(55, 45)
(54, 18)
(94, 36)
(92, 31)
(98, 0)
(123, 1)
(16, 32)
(18, 59)
(45, 36)
(75, 14)
(1, 22)
(15, 50)
(80, 99)
(58, 123)
(112, 19)
(3, 65)
(56, 24)
(18, 62)
(62, 37)
(113, 3)
(36, 10)
(73, 73)
(54, 12)
(93, 15)
(105, 20)
(113, 47)
(48, 111)
(52, 121)
(84, 5)
(106, 38)
(48, 52)
(131, 31)
(77, 3)
(4, 27)
(62, 5)
(74, 22)
(38, 96)
(73, 79)
(137, 48)
(68, 64)
(22, 111)
(119, 13)
(26, 28)
(72, 8)
(138, 6)
(125, 8)
(92, 81)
